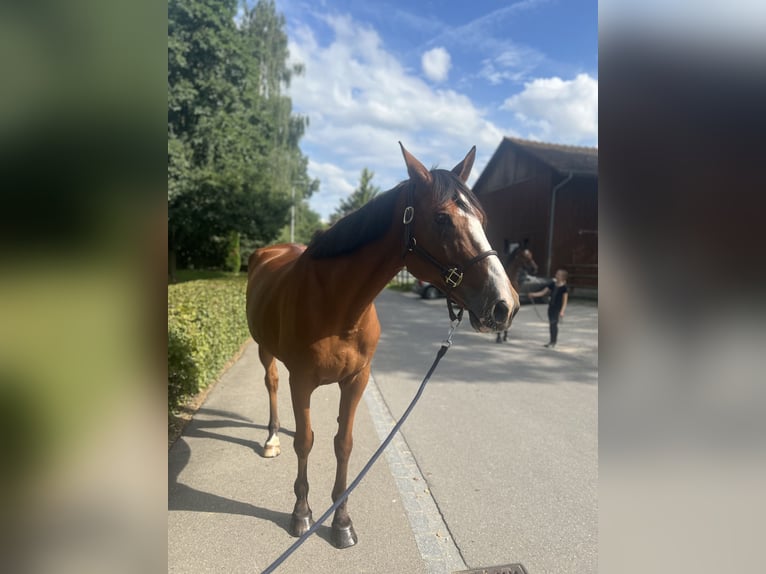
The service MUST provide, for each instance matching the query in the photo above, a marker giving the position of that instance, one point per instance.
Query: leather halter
(451, 275)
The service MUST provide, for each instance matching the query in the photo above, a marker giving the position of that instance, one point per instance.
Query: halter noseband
(452, 276)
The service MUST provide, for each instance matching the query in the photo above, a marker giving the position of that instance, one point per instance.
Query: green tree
(205, 74)
(233, 150)
(364, 192)
(266, 43)
(307, 223)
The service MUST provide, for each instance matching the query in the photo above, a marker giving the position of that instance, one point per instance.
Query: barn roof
(564, 159)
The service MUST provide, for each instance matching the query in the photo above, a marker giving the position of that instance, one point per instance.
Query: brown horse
(312, 308)
(519, 260)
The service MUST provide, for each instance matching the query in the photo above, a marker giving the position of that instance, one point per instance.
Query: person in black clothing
(558, 302)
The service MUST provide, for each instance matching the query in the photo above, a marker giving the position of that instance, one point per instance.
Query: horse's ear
(463, 169)
(417, 170)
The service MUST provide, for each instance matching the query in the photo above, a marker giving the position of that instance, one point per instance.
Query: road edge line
(432, 536)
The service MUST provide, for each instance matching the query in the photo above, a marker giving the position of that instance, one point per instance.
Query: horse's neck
(353, 281)
(513, 268)
(387, 263)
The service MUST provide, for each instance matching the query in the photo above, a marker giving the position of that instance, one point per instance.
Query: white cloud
(512, 63)
(436, 64)
(361, 101)
(557, 110)
(336, 185)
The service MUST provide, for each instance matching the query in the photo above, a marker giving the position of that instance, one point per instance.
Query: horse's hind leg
(271, 448)
(351, 390)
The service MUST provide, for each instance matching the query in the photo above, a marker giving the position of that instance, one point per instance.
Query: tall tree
(307, 223)
(205, 70)
(266, 44)
(233, 150)
(364, 192)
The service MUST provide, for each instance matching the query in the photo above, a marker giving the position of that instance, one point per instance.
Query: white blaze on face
(496, 271)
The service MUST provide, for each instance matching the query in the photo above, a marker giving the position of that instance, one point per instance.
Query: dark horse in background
(519, 265)
(312, 307)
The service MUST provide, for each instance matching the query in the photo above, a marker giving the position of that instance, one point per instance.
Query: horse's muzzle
(496, 318)
(501, 313)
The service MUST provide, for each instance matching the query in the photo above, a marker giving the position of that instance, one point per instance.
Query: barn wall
(515, 167)
(516, 194)
(520, 212)
(575, 236)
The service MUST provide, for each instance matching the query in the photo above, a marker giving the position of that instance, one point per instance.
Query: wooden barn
(545, 197)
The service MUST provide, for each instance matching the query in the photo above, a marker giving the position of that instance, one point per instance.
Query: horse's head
(447, 245)
(528, 262)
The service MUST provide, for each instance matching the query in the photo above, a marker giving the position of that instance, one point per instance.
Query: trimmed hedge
(206, 326)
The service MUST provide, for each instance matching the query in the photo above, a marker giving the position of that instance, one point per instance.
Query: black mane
(446, 183)
(373, 219)
(366, 224)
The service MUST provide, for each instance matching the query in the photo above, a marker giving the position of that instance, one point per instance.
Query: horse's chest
(338, 357)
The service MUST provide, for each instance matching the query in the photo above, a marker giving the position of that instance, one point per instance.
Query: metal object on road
(507, 569)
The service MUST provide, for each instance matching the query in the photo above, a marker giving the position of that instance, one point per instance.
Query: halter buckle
(409, 213)
(453, 277)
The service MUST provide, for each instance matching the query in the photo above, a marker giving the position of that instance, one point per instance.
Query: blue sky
(439, 77)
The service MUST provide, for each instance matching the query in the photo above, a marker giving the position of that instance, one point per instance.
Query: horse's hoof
(271, 451)
(343, 536)
(271, 448)
(299, 525)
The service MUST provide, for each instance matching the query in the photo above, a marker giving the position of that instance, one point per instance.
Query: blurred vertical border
(83, 276)
(682, 136)
(83, 221)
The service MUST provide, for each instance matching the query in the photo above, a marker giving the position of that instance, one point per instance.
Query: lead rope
(446, 344)
(534, 306)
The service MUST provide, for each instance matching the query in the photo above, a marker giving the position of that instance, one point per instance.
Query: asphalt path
(506, 435)
(497, 464)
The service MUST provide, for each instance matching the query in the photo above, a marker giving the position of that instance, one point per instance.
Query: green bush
(206, 326)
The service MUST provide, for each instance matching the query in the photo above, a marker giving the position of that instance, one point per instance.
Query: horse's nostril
(500, 312)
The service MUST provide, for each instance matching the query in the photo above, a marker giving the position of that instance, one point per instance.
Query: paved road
(497, 464)
(506, 435)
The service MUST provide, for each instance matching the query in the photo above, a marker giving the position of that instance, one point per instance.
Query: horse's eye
(442, 219)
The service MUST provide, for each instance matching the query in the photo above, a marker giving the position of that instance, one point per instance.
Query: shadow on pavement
(186, 498)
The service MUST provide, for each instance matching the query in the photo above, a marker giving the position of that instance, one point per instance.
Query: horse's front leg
(301, 519)
(271, 448)
(351, 390)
